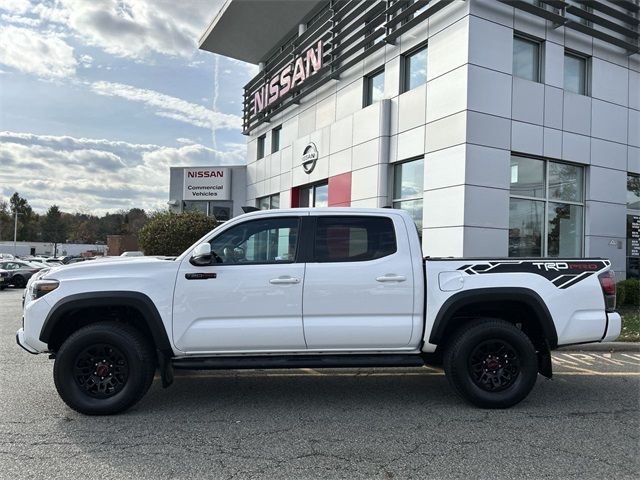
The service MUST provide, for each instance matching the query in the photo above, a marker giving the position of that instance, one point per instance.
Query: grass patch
(630, 324)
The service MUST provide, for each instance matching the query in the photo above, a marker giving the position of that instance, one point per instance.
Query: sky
(99, 98)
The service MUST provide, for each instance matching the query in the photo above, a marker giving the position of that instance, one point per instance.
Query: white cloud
(15, 6)
(19, 20)
(97, 175)
(133, 28)
(43, 54)
(169, 107)
(86, 60)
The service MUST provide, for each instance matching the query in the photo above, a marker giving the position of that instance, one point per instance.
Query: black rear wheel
(19, 281)
(491, 364)
(104, 368)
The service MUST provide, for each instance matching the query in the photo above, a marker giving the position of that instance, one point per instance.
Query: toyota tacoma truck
(335, 287)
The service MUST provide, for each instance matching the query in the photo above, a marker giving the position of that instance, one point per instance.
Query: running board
(299, 361)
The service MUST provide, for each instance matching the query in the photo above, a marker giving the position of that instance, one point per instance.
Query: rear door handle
(390, 277)
(284, 281)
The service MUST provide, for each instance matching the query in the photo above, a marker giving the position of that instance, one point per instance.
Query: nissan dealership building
(504, 128)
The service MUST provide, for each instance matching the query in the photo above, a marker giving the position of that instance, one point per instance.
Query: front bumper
(614, 327)
(22, 342)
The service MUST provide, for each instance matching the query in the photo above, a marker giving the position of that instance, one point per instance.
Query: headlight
(41, 287)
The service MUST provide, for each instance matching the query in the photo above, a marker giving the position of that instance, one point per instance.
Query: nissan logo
(309, 157)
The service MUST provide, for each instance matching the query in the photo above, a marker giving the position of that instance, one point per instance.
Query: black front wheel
(19, 281)
(104, 368)
(491, 363)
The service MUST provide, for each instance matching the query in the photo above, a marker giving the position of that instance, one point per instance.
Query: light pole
(15, 233)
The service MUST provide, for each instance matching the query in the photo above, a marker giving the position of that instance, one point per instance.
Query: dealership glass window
(222, 213)
(269, 202)
(353, 239)
(275, 139)
(633, 226)
(260, 241)
(526, 59)
(575, 73)
(261, 142)
(633, 192)
(314, 195)
(408, 187)
(195, 206)
(546, 208)
(415, 69)
(373, 87)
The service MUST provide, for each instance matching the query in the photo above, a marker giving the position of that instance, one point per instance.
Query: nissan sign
(207, 183)
(309, 157)
(292, 75)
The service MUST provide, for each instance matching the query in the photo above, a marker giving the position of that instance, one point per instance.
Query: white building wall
(466, 121)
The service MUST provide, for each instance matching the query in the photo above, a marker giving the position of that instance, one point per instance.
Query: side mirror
(201, 255)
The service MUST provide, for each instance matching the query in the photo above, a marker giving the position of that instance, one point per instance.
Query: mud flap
(544, 361)
(166, 368)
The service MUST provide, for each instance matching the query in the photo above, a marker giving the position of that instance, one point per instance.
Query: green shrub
(621, 296)
(628, 292)
(171, 234)
(632, 292)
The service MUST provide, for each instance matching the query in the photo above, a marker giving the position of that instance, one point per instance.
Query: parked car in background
(39, 264)
(132, 253)
(19, 272)
(4, 279)
(49, 261)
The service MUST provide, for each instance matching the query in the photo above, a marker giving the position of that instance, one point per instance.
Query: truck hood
(108, 267)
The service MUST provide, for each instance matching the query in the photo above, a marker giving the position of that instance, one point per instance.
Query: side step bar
(299, 361)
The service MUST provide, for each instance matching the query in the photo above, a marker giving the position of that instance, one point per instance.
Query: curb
(604, 347)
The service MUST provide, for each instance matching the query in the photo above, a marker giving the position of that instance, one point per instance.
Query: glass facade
(314, 195)
(633, 226)
(275, 139)
(575, 74)
(260, 147)
(526, 59)
(373, 88)
(220, 210)
(269, 202)
(408, 189)
(415, 69)
(546, 208)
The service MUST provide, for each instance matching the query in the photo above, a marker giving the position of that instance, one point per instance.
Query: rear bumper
(614, 327)
(21, 341)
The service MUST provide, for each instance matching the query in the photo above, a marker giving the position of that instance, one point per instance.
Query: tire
(104, 368)
(2, 287)
(491, 364)
(19, 281)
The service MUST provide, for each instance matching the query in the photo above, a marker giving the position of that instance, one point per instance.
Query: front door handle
(284, 281)
(390, 277)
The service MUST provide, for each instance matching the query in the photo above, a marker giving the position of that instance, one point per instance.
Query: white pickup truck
(336, 287)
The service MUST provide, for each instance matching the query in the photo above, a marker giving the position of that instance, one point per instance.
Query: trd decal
(562, 274)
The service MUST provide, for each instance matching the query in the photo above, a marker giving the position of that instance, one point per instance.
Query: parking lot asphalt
(364, 423)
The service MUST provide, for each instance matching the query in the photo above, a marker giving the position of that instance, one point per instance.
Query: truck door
(250, 299)
(359, 284)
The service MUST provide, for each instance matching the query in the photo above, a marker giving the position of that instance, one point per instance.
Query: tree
(6, 224)
(54, 228)
(134, 220)
(27, 220)
(171, 234)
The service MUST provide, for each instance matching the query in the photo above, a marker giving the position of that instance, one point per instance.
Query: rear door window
(353, 239)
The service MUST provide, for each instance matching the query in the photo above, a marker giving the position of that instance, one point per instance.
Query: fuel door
(450, 281)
